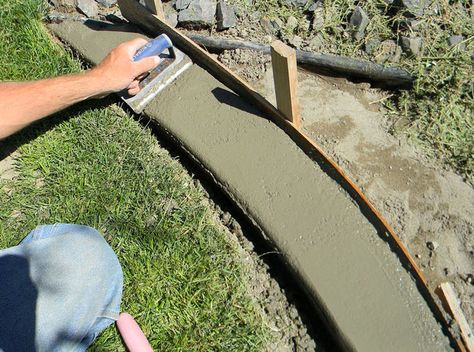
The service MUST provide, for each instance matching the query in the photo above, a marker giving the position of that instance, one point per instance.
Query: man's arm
(22, 103)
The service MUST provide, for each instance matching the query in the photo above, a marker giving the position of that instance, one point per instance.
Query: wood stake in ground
(156, 8)
(449, 298)
(286, 80)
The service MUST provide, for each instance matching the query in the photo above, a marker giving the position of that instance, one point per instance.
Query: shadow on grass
(31, 132)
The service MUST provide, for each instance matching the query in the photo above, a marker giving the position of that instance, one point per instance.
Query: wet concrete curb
(359, 285)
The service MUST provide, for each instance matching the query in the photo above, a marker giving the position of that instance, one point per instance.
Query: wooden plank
(286, 80)
(449, 298)
(140, 16)
(156, 8)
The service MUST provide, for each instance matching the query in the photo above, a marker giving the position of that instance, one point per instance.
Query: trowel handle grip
(153, 47)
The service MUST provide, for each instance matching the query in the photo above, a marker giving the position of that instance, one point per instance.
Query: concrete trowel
(171, 65)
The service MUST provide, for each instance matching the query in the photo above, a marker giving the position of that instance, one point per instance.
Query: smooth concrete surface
(349, 269)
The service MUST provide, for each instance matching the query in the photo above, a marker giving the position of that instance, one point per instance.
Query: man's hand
(22, 103)
(118, 71)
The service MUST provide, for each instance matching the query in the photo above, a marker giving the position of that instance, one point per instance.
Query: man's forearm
(22, 103)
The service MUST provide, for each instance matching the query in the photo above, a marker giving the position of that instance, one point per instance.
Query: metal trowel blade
(168, 69)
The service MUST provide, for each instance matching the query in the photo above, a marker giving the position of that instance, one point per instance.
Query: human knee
(93, 252)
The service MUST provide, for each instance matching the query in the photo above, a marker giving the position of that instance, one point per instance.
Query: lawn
(94, 165)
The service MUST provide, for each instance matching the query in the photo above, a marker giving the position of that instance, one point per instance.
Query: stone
(198, 14)
(172, 19)
(107, 3)
(358, 21)
(88, 7)
(292, 23)
(411, 24)
(432, 245)
(455, 41)
(300, 4)
(182, 4)
(115, 17)
(68, 4)
(306, 25)
(267, 25)
(371, 45)
(171, 14)
(416, 7)
(256, 15)
(226, 17)
(317, 21)
(316, 42)
(277, 24)
(412, 45)
(296, 41)
(390, 51)
(55, 17)
(315, 5)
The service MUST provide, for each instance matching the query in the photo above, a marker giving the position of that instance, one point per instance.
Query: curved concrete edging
(359, 284)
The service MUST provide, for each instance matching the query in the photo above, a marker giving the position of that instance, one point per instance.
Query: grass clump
(93, 165)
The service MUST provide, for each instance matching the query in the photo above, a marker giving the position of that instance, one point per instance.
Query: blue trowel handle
(154, 47)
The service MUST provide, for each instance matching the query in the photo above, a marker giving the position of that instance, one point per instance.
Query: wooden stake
(156, 8)
(449, 298)
(286, 80)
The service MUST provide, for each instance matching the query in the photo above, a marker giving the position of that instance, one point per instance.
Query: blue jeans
(59, 288)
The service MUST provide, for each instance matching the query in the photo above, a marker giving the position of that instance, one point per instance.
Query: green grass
(184, 281)
(438, 113)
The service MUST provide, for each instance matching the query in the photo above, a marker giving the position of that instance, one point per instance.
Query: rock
(67, 4)
(291, 23)
(300, 4)
(256, 15)
(55, 17)
(315, 5)
(198, 14)
(416, 7)
(412, 45)
(432, 245)
(267, 25)
(226, 17)
(317, 21)
(172, 19)
(411, 24)
(305, 25)
(296, 41)
(239, 11)
(88, 7)
(182, 4)
(455, 40)
(277, 24)
(358, 21)
(171, 14)
(316, 42)
(371, 45)
(107, 3)
(390, 51)
(115, 17)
